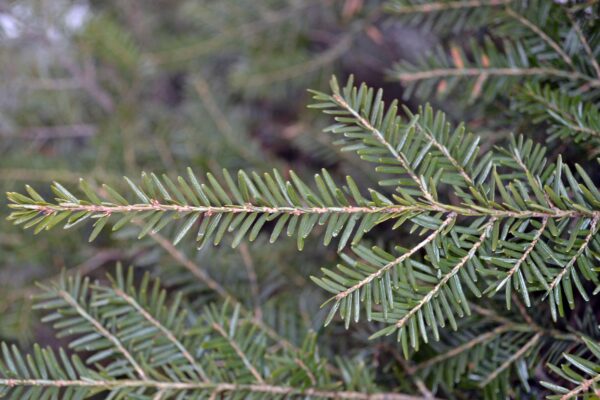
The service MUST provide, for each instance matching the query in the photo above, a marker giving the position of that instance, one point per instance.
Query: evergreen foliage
(522, 224)
(541, 51)
(139, 346)
(464, 268)
(572, 371)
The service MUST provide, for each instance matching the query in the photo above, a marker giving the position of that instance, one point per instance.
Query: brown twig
(252, 278)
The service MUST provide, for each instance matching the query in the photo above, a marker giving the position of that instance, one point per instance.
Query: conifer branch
(161, 348)
(450, 219)
(584, 246)
(168, 334)
(441, 6)
(247, 204)
(522, 351)
(396, 288)
(542, 35)
(156, 207)
(379, 136)
(579, 369)
(273, 390)
(494, 69)
(239, 352)
(585, 43)
(433, 292)
(466, 219)
(201, 275)
(483, 338)
(477, 233)
(569, 115)
(98, 327)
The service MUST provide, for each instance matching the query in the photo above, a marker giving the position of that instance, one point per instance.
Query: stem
(398, 260)
(511, 359)
(188, 264)
(523, 257)
(465, 211)
(239, 352)
(253, 280)
(381, 138)
(534, 28)
(410, 372)
(580, 251)
(446, 5)
(209, 210)
(221, 39)
(168, 334)
(104, 332)
(583, 387)
(448, 276)
(444, 150)
(219, 387)
(446, 72)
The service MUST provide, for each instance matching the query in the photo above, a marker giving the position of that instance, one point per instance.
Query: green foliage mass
(458, 264)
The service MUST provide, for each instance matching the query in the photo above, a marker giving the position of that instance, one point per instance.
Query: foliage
(568, 371)
(461, 265)
(138, 346)
(89, 94)
(526, 48)
(542, 213)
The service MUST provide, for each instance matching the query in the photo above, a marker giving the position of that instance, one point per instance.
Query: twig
(286, 391)
(317, 61)
(168, 334)
(221, 121)
(410, 371)
(567, 267)
(582, 388)
(104, 332)
(239, 352)
(584, 43)
(249, 265)
(398, 260)
(427, 298)
(440, 6)
(195, 270)
(534, 28)
(95, 261)
(511, 359)
(486, 337)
